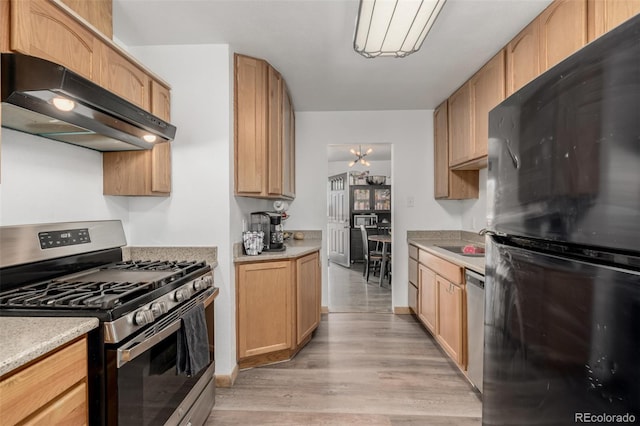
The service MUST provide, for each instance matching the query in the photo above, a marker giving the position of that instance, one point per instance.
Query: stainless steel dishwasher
(475, 326)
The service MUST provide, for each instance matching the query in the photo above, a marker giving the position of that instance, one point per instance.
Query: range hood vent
(86, 114)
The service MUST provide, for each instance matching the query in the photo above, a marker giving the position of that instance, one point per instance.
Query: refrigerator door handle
(514, 157)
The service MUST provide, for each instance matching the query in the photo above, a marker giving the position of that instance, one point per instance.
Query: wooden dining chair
(372, 258)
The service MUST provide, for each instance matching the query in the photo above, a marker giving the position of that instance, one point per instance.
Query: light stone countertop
(428, 240)
(23, 339)
(295, 248)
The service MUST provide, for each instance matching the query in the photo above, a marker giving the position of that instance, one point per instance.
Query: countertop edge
(38, 336)
(473, 263)
(293, 251)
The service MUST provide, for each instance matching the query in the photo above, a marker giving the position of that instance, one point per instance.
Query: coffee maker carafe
(271, 224)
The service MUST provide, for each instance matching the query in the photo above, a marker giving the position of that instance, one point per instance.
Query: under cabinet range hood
(46, 99)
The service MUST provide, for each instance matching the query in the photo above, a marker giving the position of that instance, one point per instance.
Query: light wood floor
(360, 368)
(350, 292)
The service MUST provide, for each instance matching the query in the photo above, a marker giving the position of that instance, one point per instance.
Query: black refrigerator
(562, 291)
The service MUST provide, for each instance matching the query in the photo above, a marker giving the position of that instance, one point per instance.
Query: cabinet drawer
(442, 267)
(38, 384)
(413, 252)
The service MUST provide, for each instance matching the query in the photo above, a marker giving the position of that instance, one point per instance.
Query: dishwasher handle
(474, 278)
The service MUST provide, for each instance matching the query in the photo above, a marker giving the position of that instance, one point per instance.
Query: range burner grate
(75, 294)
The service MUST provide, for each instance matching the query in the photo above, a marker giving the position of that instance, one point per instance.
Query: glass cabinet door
(361, 199)
(382, 199)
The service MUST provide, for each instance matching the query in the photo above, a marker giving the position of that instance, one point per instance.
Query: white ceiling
(311, 43)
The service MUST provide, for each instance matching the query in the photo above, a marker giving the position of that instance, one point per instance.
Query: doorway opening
(358, 193)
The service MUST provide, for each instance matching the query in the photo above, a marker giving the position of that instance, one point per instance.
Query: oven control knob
(182, 294)
(159, 308)
(208, 281)
(203, 283)
(143, 317)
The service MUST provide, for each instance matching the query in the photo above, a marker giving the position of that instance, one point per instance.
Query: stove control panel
(70, 237)
(125, 326)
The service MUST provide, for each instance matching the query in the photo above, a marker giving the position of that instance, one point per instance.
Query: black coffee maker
(271, 224)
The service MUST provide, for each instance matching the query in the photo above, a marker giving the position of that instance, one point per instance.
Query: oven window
(149, 389)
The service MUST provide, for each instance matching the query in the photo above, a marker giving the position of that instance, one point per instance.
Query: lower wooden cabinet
(428, 302)
(308, 296)
(277, 308)
(450, 333)
(51, 390)
(441, 303)
(264, 308)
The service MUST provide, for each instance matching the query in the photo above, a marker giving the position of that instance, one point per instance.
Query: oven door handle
(129, 353)
(134, 349)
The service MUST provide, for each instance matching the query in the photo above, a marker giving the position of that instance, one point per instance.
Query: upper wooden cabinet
(98, 13)
(604, 15)
(559, 31)
(459, 126)
(468, 115)
(448, 183)
(562, 31)
(523, 58)
(124, 78)
(142, 173)
(487, 88)
(53, 31)
(39, 28)
(264, 131)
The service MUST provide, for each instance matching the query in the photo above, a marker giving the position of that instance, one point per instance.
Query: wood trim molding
(324, 309)
(227, 381)
(402, 310)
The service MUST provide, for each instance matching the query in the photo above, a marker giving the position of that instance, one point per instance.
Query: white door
(338, 223)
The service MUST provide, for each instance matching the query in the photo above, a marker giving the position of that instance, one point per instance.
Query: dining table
(385, 239)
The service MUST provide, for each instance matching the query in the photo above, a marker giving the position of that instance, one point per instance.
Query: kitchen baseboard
(227, 381)
(324, 309)
(402, 310)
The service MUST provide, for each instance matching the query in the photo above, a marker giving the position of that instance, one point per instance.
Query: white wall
(411, 134)
(474, 212)
(48, 181)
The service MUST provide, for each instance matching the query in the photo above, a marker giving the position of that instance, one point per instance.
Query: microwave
(365, 219)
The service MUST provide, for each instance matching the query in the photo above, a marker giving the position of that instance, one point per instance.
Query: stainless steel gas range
(151, 361)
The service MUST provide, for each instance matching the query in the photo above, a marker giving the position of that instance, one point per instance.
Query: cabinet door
(250, 126)
(413, 298)
(44, 382)
(459, 126)
(605, 15)
(449, 184)
(71, 408)
(360, 199)
(307, 295)
(264, 308)
(487, 91)
(39, 28)
(523, 59)
(161, 153)
(562, 31)
(428, 298)
(98, 13)
(275, 145)
(123, 78)
(288, 146)
(450, 318)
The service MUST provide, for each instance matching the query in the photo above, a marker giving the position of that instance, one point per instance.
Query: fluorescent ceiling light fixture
(394, 28)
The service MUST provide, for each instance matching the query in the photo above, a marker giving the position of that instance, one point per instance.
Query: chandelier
(360, 156)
